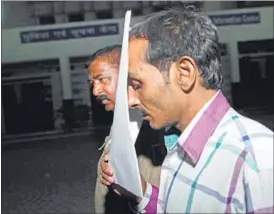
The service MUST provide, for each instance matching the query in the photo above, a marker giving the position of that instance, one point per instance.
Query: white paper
(125, 128)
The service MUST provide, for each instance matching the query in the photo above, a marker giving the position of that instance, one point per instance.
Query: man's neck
(195, 104)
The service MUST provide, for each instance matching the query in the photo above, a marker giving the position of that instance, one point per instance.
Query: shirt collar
(202, 126)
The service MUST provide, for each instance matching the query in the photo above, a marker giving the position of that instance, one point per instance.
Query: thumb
(106, 158)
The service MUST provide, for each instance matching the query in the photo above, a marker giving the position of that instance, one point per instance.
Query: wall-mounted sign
(69, 33)
(113, 28)
(236, 19)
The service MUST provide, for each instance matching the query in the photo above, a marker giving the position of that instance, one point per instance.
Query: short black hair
(105, 51)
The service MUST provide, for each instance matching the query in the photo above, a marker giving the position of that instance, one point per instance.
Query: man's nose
(96, 89)
(133, 100)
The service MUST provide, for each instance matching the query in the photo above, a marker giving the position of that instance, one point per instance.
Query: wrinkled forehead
(103, 66)
(137, 55)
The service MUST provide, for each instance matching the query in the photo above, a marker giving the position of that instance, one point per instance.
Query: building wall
(28, 13)
(237, 33)
(13, 50)
(209, 6)
(16, 14)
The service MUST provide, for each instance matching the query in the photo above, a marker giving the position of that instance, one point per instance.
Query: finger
(106, 168)
(106, 180)
(106, 177)
(106, 158)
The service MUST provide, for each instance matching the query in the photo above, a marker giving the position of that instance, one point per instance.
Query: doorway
(26, 106)
(255, 88)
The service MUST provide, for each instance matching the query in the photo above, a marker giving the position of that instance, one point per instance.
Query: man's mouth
(146, 117)
(104, 99)
(105, 102)
(144, 114)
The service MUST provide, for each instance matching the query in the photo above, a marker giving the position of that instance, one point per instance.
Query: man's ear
(187, 73)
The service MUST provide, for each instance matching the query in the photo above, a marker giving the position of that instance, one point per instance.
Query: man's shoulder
(251, 136)
(244, 127)
(252, 129)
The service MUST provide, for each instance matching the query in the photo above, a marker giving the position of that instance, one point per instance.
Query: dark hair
(182, 32)
(109, 50)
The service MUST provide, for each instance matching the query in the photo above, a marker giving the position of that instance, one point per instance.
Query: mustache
(102, 97)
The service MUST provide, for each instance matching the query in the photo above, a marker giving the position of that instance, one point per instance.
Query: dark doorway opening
(28, 109)
(254, 92)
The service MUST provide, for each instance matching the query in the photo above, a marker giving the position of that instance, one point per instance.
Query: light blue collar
(170, 141)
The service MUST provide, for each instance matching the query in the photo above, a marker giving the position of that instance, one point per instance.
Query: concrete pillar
(68, 105)
(234, 61)
(66, 78)
(56, 89)
(57, 99)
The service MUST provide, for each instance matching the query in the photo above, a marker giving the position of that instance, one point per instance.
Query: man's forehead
(133, 73)
(138, 46)
(136, 67)
(140, 41)
(101, 67)
(137, 53)
(103, 61)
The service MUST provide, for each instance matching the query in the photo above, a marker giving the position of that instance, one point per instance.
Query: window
(104, 14)
(137, 12)
(76, 17)
(247, 4)
(46, 20)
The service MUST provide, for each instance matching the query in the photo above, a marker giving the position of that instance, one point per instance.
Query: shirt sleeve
(100, 191)
(99, 196)
(148, 203)
(258, 187)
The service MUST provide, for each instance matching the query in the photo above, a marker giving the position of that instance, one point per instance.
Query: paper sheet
(125, 128)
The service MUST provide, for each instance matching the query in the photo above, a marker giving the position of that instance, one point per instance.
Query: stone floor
(53, 176)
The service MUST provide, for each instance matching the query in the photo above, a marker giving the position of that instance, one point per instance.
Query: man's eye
(136, 86)
(90, 82)
(104, 80)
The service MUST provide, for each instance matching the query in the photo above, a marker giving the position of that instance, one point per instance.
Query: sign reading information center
(236, 19)
(69, 33)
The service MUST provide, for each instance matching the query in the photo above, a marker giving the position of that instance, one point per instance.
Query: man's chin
(109, 107)
(154, 125)
(157, 126)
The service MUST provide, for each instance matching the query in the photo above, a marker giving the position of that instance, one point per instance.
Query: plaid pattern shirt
(221, 163)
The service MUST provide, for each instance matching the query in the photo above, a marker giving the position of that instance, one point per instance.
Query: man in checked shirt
(222, 162)
(103, 70)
